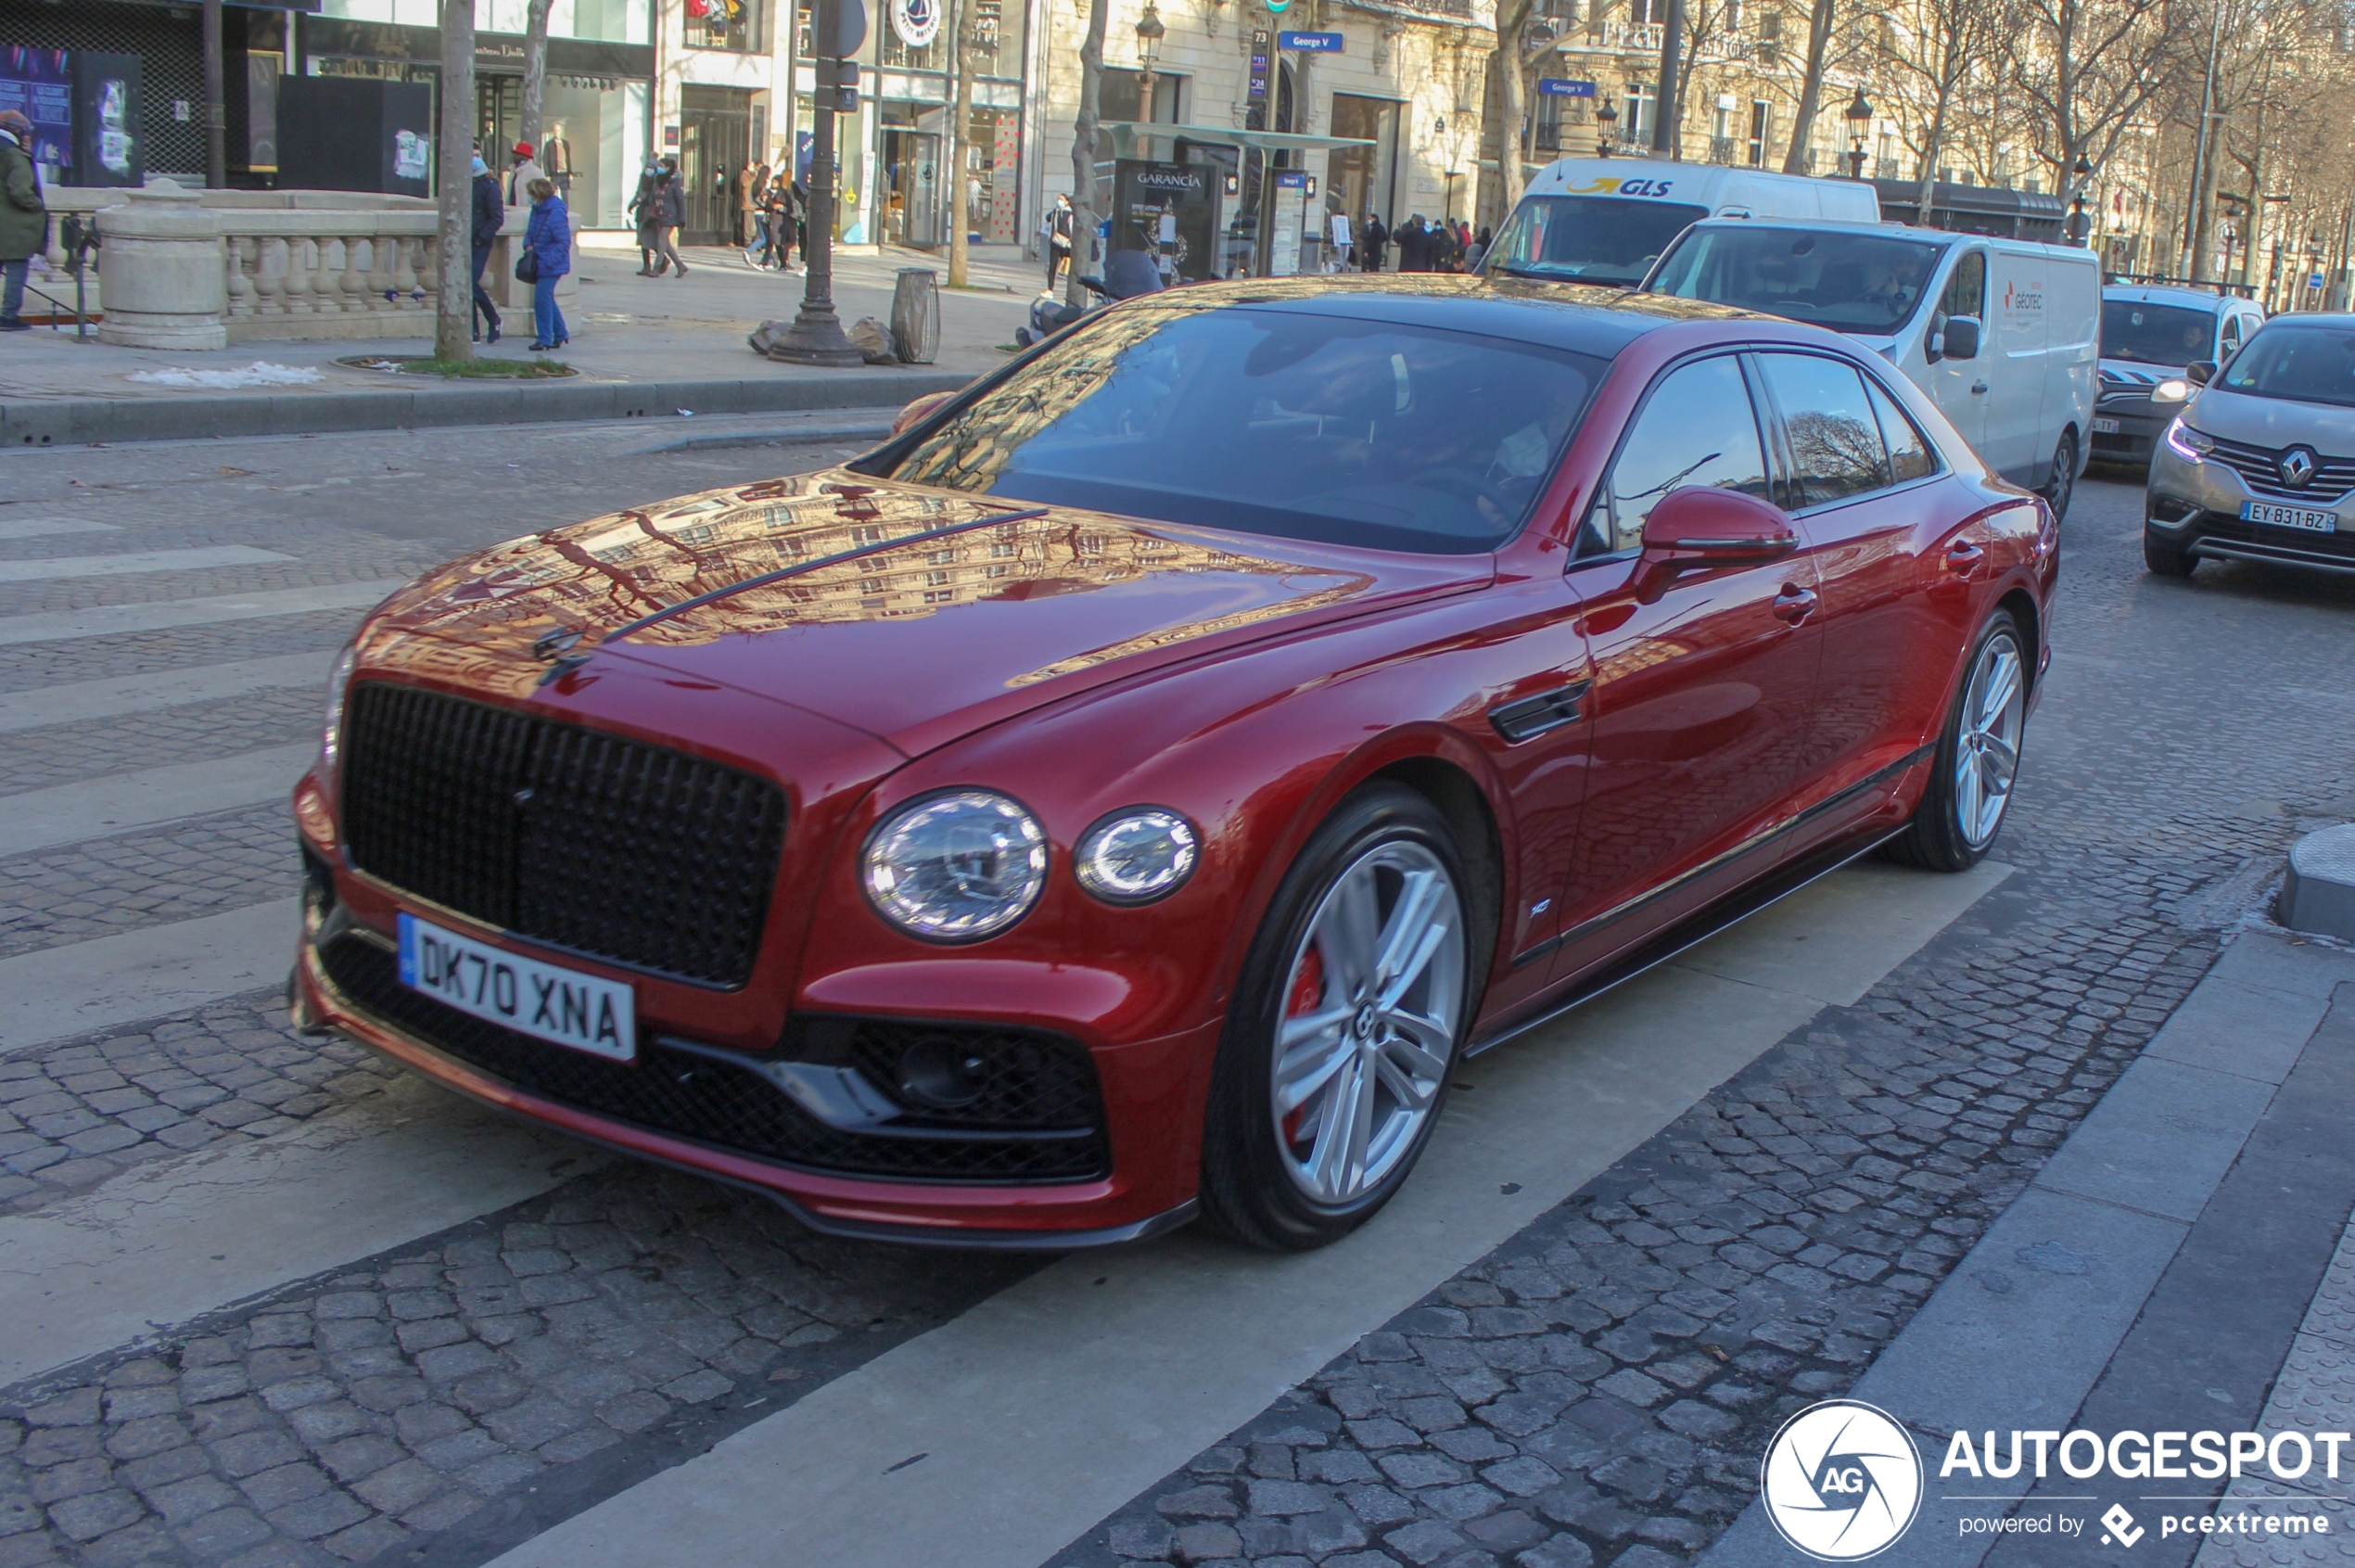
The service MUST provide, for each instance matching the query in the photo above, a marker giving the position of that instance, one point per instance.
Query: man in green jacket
(24, 219)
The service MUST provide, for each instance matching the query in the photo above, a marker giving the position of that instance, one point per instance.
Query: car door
(1865, 482)
(1702, 688)
(1959, 387)
(2019, 340)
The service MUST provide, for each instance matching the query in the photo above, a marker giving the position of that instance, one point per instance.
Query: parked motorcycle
(1128, 273)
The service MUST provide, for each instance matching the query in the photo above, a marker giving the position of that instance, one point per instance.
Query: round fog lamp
(1136, 856)
(956, 867)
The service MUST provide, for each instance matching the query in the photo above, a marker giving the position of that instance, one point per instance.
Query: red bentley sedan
(1125, 794)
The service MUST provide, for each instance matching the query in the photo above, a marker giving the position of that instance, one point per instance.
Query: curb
(71, 421)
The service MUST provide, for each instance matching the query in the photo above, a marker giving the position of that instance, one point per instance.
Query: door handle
(1794, 604)
(1977, 388)
(1963, 554)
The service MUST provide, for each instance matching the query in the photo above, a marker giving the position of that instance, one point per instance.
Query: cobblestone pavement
(194, 867)
(1599, 1388)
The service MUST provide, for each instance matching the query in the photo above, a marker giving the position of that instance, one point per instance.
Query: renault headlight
(956, 867)
(2188, 444)
(331, 733)
(2174, 389)
(1136, 856)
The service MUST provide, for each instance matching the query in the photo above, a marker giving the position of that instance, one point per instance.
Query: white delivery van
(1604, 220)
(2004, 335)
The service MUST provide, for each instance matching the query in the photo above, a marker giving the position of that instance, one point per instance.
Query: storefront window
(726, 24)
(605, 21)
(997, 39)
(1362, 180)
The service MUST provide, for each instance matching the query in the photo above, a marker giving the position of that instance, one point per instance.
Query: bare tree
(1084, 194)
(453, 313)
(1518, 48)
(2084, 71)
(535, 70)
(1931, 46)
(1810, 90)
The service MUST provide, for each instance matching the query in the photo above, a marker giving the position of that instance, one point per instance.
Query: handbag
(528, 267)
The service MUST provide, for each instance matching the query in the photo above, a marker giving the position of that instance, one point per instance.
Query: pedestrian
(548, 245)
(24, 217)
(748, 200)
(519, 178)
(1371, 240)
(490, 214)
(1413, 238)
(1056, 231)
(1479, 250)
(671, 203)
(555, 157)
(1447, 250)
(777, 218)
(644, 211)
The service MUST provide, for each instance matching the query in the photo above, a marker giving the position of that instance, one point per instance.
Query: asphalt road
(264, 1301)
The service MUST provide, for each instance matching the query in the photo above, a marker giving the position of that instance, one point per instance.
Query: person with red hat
(526, 170)
(25, 216)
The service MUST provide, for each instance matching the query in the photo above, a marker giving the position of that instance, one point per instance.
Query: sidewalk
(642, 347)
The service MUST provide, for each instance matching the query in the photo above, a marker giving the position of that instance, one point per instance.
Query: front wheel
(1354, 1003)
(1978, 757)
(2167, 558)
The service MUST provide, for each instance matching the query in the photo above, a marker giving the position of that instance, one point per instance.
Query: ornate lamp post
(1149, 32)
(1606, 128)
(1860, 118)
(2080, 223)
(816, 335)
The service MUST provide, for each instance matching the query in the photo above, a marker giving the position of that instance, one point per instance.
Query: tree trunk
(535, 72)
(1811, 91)
(452, 327)
(961, 114)
(1083, 150)
(1513, 99)
(1933, 145)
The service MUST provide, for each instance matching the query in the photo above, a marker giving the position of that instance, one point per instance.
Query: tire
(2167, 558)
(2062, 485)
(1957, 821)
(1278, 1173)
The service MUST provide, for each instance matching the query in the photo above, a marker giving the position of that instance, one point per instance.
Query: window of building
(1761, 124)
(1636, 116)
(737, 25)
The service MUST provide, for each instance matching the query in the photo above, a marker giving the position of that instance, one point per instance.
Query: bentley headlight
(1136, 856)
(2174, 389)
(331, 733)
(956, 867)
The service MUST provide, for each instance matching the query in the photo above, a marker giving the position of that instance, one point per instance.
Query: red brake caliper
(1307, 995)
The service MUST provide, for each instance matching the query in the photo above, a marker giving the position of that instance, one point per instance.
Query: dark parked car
(1126, 793)
(2150, 334)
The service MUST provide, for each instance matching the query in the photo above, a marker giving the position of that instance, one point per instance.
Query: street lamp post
(1606, 128)
(1149, 32)
(816, 335)
(1859, 117)
(2080, 223)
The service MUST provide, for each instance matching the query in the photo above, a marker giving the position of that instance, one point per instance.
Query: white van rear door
(2019, 309)
(2073, 357)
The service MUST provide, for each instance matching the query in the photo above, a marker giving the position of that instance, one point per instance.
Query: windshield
(2304, 363)
(2168, 334)
(1270, 421)
(1600, 239)
(1849, 282)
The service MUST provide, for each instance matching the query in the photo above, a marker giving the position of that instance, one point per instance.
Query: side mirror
(917, 410)
(1700, 529)
(2199, 372)
(1961, 338)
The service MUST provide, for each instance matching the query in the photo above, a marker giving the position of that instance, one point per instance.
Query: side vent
(1532, 717)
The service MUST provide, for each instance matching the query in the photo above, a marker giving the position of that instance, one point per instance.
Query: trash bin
(915, 315)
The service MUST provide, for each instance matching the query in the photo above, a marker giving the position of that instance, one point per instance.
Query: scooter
(1128, 273)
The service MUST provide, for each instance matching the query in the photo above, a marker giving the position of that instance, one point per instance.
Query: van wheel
(2063, 483)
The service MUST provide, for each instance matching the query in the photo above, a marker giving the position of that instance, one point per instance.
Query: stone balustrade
(292, 264)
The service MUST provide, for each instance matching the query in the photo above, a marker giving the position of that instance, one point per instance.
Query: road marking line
(80, 701)
(38, 527)
(178, 1238)
(58, 993)
(162, 615)
(137, 561)
(1056, 1401)
(45, 819)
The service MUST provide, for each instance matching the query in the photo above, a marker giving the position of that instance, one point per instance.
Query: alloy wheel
(1987, 745)
(1372, 1005)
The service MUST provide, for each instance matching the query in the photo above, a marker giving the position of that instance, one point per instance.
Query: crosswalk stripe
(38, 527)
(137, 561)
(46, 819)
(80, 701)
(162, 615)
(58, 993)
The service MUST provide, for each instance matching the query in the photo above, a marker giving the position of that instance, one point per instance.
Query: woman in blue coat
(549, 238)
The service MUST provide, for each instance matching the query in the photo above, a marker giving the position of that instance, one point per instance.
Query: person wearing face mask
(670, 195)
(490, 213)
(645, 210)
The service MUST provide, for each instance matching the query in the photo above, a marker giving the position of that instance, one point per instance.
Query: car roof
(2167, 294)
(1897, 231)
(1556, 316)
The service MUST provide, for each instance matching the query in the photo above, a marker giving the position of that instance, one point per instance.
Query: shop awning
(1126, 132)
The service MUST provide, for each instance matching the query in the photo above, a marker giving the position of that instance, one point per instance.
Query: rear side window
(1696, 427)
(1835, 439)
(1909, 455)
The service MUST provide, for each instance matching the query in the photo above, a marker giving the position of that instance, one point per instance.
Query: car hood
(915, 615)
(2272, 422)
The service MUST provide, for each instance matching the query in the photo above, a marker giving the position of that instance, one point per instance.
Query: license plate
(2104, 426)
(2288, 517)
(561, 1006)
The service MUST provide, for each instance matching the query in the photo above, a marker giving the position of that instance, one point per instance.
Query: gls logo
(1622, 187)
(1841, 1481)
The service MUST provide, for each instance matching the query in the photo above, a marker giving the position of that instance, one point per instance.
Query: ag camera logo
(1841, 1481)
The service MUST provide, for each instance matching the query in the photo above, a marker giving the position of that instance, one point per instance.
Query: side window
(2231, 337)
(1835, 441)
(1967, 289)
(1909, 455)
(1696, 427)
